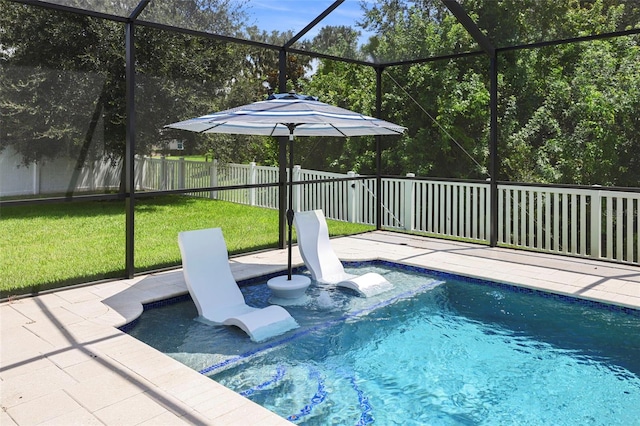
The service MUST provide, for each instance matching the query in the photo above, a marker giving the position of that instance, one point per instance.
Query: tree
(63, 79)
(49, 91)
(567, 110)
(564, 111)
(444, 104)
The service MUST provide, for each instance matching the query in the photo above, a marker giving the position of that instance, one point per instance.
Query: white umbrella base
(283, 288)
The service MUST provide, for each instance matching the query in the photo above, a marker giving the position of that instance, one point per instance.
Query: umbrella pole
(290, 209)
(295, 285)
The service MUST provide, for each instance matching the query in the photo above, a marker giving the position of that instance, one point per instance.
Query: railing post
(408, 202)
(181, 173)
(36, 178)
(596, 223)
(351, 198)
(213, 178)
(91, 178)
(297, 192)
(144, 171)
(493, 151)
(138, 172)
(252, 181)
(163, 173)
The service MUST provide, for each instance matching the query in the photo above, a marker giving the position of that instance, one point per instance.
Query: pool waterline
(273, 345)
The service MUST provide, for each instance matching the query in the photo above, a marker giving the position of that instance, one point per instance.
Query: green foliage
(52, 95)
(578, 126)
(567, 113)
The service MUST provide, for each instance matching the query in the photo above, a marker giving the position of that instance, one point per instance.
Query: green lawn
(55, 245)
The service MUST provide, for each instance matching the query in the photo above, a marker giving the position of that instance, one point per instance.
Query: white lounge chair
(322, 262)
(215, 292)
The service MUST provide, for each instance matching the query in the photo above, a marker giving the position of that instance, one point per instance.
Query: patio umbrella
(289, 115)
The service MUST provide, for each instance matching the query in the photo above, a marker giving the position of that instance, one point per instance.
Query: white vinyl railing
(452, 209)
(595, 223)
(582, 222)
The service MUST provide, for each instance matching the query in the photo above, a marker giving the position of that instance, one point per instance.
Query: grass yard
(55, 245)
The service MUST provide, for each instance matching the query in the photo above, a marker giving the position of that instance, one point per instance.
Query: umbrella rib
(209, 128)
(339, 131)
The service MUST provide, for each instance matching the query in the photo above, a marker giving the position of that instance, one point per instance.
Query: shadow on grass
(35, 289)
(158, 220)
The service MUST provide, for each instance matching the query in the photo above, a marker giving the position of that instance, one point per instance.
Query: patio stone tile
(167, 276)
(77, 295)
(163, 291)
(112, 344)
(622, 300)
(612, 284)
(173, 404)
(90, 367)
(72, 355)
(115, 386)
(51, 332)
(151, 282)
(106, 290)
(170, 419)
(626, 272)
(120, 315)
(594, 294)
(122, 346)
(130, 411)
(156, 364)
(89, 331)
(19, 365)
(22, 342)
(31, 385)
(556, 288)
(587, 280)
(125, 304)
(176, 375)
(31, 412)
(565, 277)
(76, 417)
(630, 289)
(221, 404)
(196, 393)
(6, 420)
(257, 414)
(11, 317)
(35, 310)
(132, 354)
(89, 308)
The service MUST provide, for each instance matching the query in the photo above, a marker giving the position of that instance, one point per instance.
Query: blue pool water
(438, 349)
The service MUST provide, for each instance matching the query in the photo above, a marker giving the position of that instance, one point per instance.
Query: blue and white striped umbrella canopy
(289, 115)
(284, 115)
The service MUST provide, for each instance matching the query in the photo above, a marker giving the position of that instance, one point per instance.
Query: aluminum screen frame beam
(130, 138)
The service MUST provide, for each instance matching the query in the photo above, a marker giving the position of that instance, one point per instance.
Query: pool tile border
(411, 268)
(507, 286)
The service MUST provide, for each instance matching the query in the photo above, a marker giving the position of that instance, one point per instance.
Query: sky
(283, 15)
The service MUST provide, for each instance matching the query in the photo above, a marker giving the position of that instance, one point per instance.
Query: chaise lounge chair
(215, 292)
(322, 262)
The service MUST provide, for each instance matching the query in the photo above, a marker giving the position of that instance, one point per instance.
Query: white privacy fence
(56, 176)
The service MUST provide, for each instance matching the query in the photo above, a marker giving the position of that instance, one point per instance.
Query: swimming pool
(438, 349)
